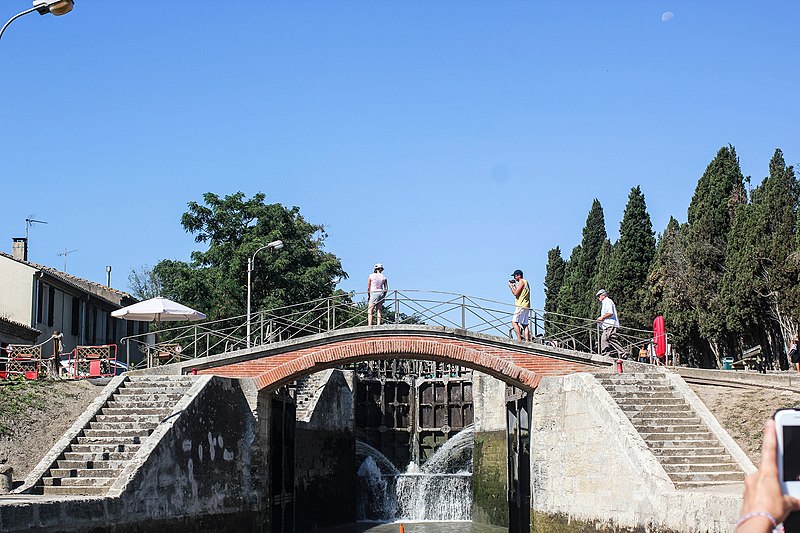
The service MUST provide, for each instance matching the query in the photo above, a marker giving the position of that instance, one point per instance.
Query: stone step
(697, 436)
(127, 418)
(698, 477)
(141, 425)
(92, 464)
(686, 448)
(115, 411)
(123, 434)
(701, 467)
(673, 458)
(701, 484)
(183, 378)
(73, 491)
(102, 448)
(146, 398)
(653, 427)
(155, 388)
(110, 441)
(618, 392)
(138, 406)
(661, 403)
(77, 481)
(675, 419)
(84, 472)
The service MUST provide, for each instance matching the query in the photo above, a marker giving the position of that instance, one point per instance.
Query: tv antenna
(30, 221)
(65, 253)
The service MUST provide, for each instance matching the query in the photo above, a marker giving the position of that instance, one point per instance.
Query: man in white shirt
(609, 321)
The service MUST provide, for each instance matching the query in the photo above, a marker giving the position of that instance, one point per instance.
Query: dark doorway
(519, 458)
(282, 464)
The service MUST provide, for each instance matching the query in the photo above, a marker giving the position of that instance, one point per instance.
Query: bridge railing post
(463, 312)
(396, 308)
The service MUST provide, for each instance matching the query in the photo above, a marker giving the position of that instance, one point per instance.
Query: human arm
(369, 285)
(762, 491)
(516, 288)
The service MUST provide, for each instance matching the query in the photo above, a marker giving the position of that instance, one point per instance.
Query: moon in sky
(666, 16)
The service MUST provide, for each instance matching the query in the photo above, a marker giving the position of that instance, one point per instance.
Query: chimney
(108, 275)
(20, 248)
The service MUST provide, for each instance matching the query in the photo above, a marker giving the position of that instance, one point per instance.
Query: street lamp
(43, 7)
(274, 245)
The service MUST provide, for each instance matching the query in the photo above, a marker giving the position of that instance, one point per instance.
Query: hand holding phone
(762, 489)
(787, 431)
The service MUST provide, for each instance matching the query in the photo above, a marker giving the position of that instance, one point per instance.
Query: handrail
(344, 310)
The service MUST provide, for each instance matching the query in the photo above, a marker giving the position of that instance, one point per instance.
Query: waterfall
(439, 491)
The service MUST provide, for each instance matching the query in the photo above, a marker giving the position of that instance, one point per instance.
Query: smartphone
(787, 426)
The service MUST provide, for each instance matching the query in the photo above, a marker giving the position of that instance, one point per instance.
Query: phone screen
(791, 453)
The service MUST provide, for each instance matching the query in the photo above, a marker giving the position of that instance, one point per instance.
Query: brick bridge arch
(521, 365)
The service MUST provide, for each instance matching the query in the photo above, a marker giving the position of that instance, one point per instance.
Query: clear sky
(453, 141)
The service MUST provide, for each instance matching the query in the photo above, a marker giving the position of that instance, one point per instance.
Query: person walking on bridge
(610, 322)
(522, 292)
(377, 287)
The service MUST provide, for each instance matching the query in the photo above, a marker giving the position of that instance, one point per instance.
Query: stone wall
(192, 474)
(325, 469)
(591, 470)
(489, 498)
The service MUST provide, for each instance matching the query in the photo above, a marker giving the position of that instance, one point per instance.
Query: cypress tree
(631, 261)
(710, 216)
(553, 279)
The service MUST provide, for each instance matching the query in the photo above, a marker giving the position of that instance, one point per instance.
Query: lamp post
(274, 245)
(43, 7)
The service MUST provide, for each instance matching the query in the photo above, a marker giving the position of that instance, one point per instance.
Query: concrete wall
(590, 469)
(16, 298)
(325, 469)
(489, 454)
(192, 474)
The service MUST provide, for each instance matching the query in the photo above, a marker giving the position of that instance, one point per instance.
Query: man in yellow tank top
(519, 287)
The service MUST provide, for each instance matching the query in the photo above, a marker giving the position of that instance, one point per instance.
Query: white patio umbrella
(158, 309)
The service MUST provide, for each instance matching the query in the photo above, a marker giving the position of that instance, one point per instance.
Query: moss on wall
(559, 523)
(489, 505)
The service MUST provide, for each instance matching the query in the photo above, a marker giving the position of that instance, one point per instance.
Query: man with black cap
(610, 322)
(522, 293)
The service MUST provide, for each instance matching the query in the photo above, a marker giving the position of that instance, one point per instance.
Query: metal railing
(345, 310)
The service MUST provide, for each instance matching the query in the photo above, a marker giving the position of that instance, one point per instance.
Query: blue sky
(453, 141)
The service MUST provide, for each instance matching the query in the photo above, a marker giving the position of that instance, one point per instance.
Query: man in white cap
(610, 322)
(377, 287)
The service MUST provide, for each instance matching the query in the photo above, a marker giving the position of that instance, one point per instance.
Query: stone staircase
(688, 451)
(94, 459)
(306, 394)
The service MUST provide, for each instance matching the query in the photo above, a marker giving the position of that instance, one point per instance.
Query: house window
(76, 316)
(39, 301)
(51, 306)
(94, 325)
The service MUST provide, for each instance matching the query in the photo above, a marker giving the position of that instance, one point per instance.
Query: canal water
(418, 527)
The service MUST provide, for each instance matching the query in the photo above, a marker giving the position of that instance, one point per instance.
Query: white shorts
(521, 316)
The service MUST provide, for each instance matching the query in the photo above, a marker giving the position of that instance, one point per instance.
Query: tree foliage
(726, 280)
(233, 228)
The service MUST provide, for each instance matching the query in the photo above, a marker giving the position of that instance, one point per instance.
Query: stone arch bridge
(521, 364)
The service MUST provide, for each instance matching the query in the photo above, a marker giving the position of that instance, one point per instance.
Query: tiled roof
(18, 325)
(112, 295)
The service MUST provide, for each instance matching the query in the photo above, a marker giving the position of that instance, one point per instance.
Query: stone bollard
(6, 478)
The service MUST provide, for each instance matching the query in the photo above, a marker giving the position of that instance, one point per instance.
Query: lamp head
(56, 7)
(275, 245)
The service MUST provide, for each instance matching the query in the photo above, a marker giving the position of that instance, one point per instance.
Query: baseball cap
(517, 272)
(600, 292)
(378, 265)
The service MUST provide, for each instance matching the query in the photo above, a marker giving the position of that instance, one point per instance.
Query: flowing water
(439, 491)
(422, 527)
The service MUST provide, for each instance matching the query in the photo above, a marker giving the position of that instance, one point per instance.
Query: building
(36, 301)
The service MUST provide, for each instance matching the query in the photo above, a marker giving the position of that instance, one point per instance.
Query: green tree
(667, 292)
(710, 216)
(592, 243)
(233, 228)
(553, 279)
(631, 261)
(760, 277)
